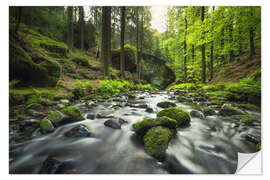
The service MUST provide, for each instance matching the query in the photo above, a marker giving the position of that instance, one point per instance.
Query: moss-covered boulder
(228, 110)
(156, 141)
(46, 126)
(180, 115)
(166, 104)
(57, 118)
(207, 111)
(248, 120)
(32, 69)
(73, 113)
(143, 126)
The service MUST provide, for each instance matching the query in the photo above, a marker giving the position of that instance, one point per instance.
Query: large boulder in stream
(180, 115)
(155, 70)
(143, 126)
(156, 141)
(32, 69)
(79, 131)
(46, 126)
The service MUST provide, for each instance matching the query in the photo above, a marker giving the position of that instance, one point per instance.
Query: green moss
(259, 146)
(143, 126)
(166, 104)
(208, 111)
(46, 126)
(73, 113)
(181, 116)
(228, 110)
(183, 99)
(214, 87)
(55, 117)
(248, 120)
(156, 141)
(185, 86)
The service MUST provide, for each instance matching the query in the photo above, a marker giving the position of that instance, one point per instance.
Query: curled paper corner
(249, 163)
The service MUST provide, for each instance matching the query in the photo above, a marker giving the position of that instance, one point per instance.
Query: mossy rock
(228, 110)
(166, 104)
(57, 118)
(156, 141)
(81, 61)
(73, 113)
(180, 115)
(184, 99)
(55, 51)
(143, 126)
(44, 72)
(46, 126)
(207, 111)
(248, 120)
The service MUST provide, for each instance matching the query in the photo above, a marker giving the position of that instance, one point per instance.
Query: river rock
(100, 116)
(34, 113)
(90, 116)
(64, 101)
(156, 141)
(57, 118)
(166, 104)
(112, 124)
(252, 139)
(228, 110)
(36, 107)
(73, 113)
(149, 110)
(78, 132)
(143, 126)
(46, 126)
(52, 166)
(207, 111)
(198, 114)
(143, 106)
(122, 121)
(180, 115)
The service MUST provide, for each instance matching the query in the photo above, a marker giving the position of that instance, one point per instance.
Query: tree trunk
(81, 11)
(141, 47)
(251, 42)
(185, 52)
(231, 42)
(70, 28)
(109, 34)
(137, 42)
(105, 40)
(18, 19)
(212, 61)
(122, 43)
(203, 53)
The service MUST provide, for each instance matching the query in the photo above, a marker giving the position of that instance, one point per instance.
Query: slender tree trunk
(109, 34)
(231, 42)
(251, 42)
(105, 40)
(81, 11)
(18, 19)
(222, 45)
(137, 42)
(141, 46)
(185, 52)
(70, 28)
(122, 43)
(203, 53)
(193, 53)
(212, 61)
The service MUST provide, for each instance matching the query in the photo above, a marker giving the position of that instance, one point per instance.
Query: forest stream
(208, 145)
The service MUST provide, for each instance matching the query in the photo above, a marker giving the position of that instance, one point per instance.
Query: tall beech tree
(122, 42)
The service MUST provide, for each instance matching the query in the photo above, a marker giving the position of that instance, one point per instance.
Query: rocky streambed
(104, 141)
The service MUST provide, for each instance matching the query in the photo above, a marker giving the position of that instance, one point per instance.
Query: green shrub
(13, 83)
(185, 86)
(142, 87)
(113, 87)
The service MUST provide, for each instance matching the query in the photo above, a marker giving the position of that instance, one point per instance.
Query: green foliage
(248, 120)
(13, 83)
(214, 87)
(83, 85)
(113, 87)
(259, 146)
(128, 46)
(144, 87)
(185, 86)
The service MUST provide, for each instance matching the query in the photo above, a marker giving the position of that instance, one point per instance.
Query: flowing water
(206, 146)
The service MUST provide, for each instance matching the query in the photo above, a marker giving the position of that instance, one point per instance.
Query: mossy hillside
(143, 126)
(73, 113)
(45, 72)
(180, 115)
(156, 141)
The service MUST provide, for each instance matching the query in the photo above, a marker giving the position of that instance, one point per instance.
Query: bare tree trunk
(81, 11)
(122, 42)
(212, 61)
(109, 35)
(185, 52)
(70, 28)
(105, 40)
(137, 42)
(251, 42)
(141, 47)
(203, 53)
(231, 42)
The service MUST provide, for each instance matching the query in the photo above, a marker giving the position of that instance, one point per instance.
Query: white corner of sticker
(249, 163)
